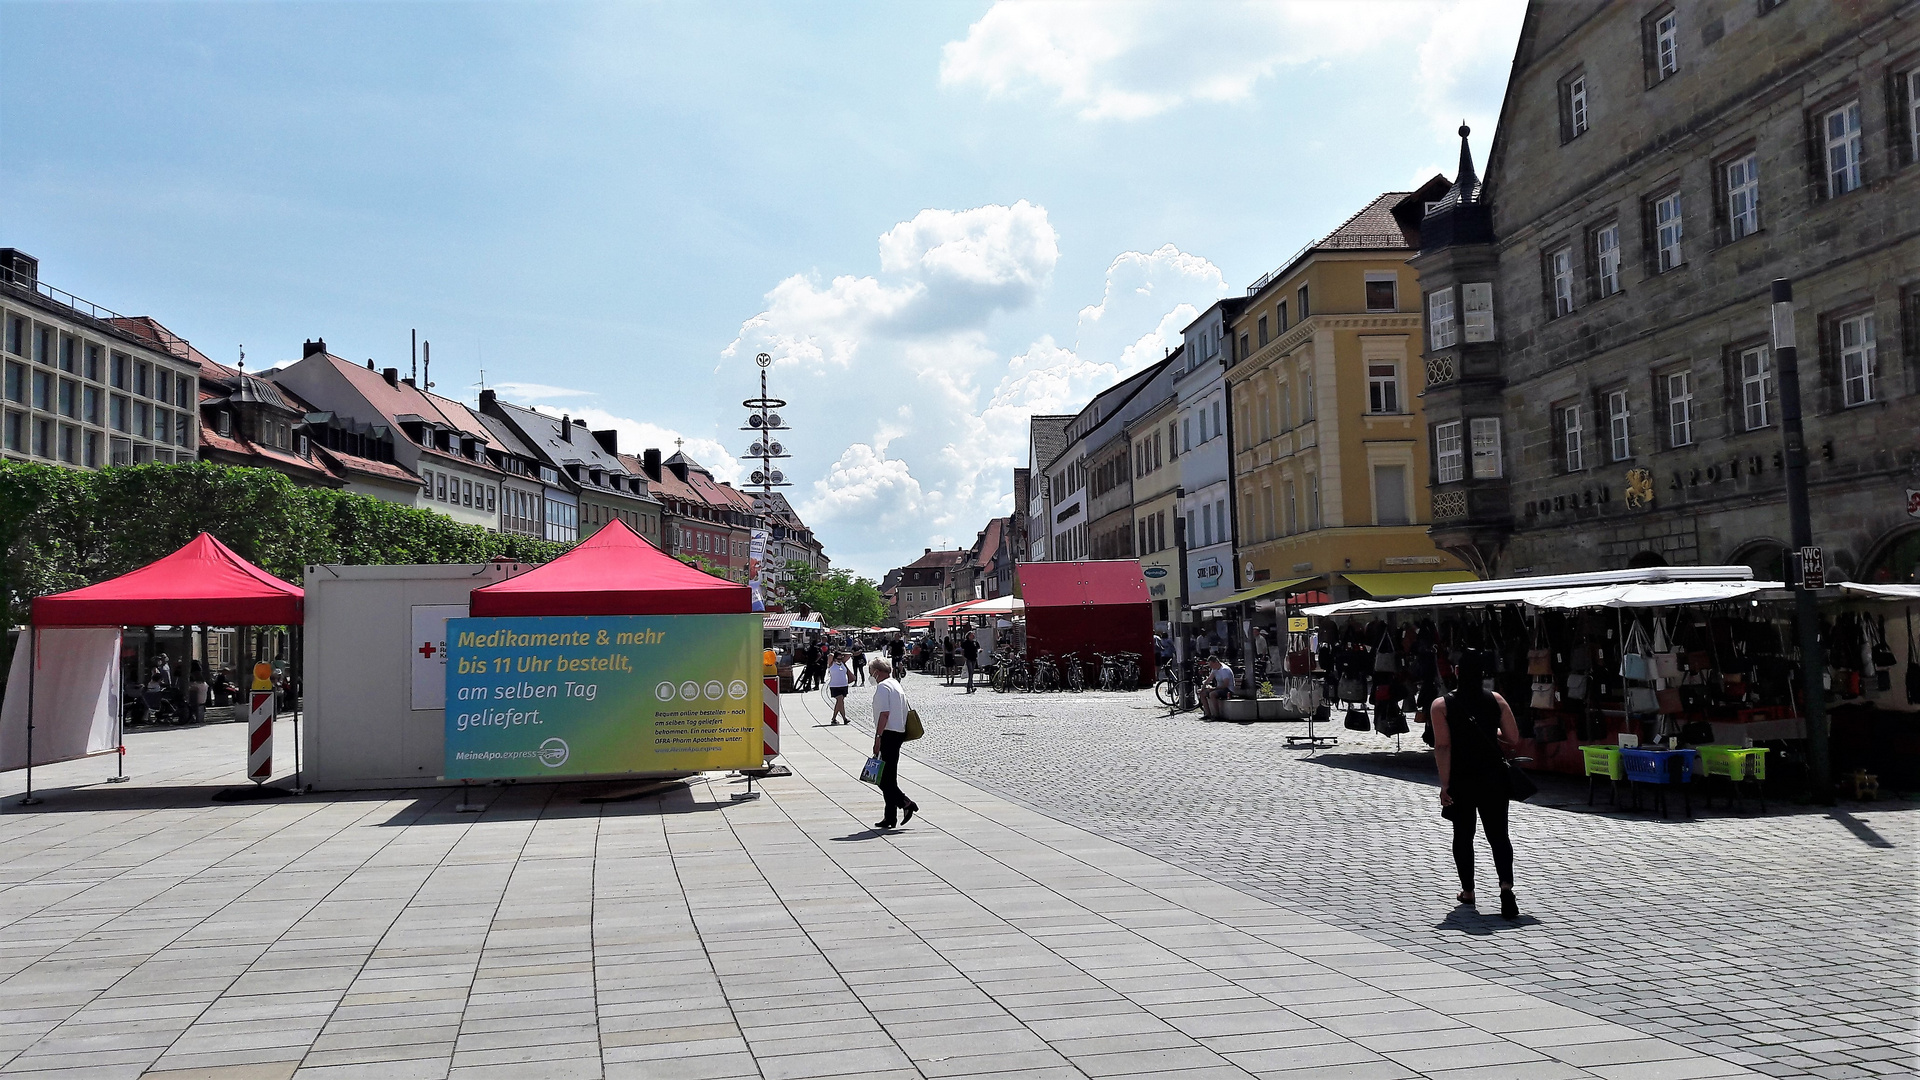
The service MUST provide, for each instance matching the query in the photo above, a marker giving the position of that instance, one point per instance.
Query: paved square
(150, 932)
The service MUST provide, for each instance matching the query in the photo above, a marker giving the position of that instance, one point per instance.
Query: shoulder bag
(1543, 695)
(1633, 661)
(1385, 660)
(914, 730)
(1540, 657)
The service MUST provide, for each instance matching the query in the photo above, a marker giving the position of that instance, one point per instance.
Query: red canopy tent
(612, 572)
(1088, 608)
(202, 583)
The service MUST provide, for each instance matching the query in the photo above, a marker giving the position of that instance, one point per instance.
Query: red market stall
(203, 583)
(612, 572)
(1088, 608)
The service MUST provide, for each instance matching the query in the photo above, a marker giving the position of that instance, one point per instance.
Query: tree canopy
(841, 598)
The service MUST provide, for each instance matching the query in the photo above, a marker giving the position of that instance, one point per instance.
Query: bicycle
(1073, 672)
(1044, 677)
(1166, 687)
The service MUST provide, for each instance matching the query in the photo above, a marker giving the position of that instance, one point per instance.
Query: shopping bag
(870, 772)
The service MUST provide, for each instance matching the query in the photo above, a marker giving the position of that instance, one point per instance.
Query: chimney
(369, 363)
(929, 551)
(566, 427)
(486, 401)
(392, 375)
(609, 440)
(408, 380)
(309, 348)
(650, 464)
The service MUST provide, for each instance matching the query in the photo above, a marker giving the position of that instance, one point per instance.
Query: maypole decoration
(763, 421)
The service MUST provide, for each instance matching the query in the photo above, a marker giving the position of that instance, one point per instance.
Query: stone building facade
(1602, 390)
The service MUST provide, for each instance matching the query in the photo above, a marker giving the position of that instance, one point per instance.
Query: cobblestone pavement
(599, 930)
(1786, 942)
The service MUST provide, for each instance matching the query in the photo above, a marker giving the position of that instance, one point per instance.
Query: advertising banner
(576, 696)
(430, 653)
(756, 561)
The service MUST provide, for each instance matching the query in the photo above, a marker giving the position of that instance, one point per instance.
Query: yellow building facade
(1330, 457)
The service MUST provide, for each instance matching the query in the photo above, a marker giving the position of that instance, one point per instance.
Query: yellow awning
(1412, 583)
(1255, 593)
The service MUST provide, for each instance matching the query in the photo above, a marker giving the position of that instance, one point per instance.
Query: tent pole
(119, 711)
(33, 665)
(296, 685)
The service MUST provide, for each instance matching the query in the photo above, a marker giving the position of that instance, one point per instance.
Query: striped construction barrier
(260, 737)
(770, 718)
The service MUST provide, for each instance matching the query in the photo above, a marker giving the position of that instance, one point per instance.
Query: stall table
(1661, 768)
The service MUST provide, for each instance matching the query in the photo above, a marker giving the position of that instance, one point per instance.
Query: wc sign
(1913, 503)
(429, 648)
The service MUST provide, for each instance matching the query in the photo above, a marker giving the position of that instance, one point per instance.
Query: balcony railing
(105, 318)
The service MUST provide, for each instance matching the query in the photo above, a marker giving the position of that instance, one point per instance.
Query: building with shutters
(1324, 385)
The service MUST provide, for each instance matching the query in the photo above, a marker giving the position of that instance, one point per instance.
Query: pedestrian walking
(858, 669)
(946, 650)
(897, 651)
(837, 679)
(1472, 727)
(197, 693)
(889, 731)
(971, 648)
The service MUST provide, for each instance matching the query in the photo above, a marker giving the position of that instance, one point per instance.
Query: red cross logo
(427, 650)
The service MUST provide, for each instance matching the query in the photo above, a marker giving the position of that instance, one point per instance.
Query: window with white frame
(1842, 130)
(1560, 269)
(1576, 99)
(1756, 387)
(1666, 43)
(1680, 408)
(1383, 386)
(1441, 329)
(1476, 303)
(1743, 197)
(1486, 448)
(1913, 113)
(1606, 258)
(1449, 452)
(1856, 359)
(1666, 224)
(1619, 426)
(1573, 455)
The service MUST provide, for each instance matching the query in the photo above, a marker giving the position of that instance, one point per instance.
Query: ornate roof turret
(1466, 185)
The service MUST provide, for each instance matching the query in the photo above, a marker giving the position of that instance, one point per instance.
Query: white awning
(1881, 592)
(1631, 595)
(999, 605)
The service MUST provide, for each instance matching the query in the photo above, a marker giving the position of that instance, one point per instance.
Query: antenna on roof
(413, 337)
(243, 358)
(426, 365)
(482, 384)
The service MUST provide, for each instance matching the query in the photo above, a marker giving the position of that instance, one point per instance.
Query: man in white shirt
(889, 731)
(1219, 688)
(837, 688)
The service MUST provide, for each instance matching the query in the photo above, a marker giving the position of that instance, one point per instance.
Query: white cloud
(528, 391)
(915, 413)
(942, 271)
(637, 436)
(1117, 60)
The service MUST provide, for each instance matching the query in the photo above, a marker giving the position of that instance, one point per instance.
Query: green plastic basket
(1603, 761)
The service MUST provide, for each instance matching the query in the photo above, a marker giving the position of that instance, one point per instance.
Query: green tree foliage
(841, 598)
(62, 528)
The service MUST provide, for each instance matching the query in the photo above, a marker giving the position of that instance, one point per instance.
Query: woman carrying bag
(1471, 726)
(890, 711)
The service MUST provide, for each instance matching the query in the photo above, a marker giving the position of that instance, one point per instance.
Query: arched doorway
(1646, 560)
(1766, 556)
(1895, 558)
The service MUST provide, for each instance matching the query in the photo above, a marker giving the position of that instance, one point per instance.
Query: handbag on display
(1389, 720)
(870, 772)
(1540, 657)
(1699, 660)
(1913, 663)
(1323, 713)
(1642, 699)
(1633, 662)
(1299, 663)
(1576, 687)
(1353, 689)
(1385, 660)
(1696, 732)
(1666, 662)
(1669, 700)
(1356, 720)
(1543, 695)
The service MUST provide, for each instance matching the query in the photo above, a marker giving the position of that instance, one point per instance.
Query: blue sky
(940, 217)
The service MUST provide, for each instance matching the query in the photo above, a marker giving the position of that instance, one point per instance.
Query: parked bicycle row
(1070, 672)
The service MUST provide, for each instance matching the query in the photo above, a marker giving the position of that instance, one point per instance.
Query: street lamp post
(1182, 638)
(1806, 609)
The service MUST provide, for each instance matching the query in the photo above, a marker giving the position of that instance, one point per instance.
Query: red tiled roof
(385, 470)
(1373, 227)
(213, 440)
(393, 402)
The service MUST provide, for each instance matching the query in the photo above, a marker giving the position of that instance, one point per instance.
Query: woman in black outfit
(1471, 727)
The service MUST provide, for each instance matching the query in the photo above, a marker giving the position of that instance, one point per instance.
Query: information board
(575, 696)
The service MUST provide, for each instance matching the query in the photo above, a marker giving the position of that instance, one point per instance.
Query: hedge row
(64, 528)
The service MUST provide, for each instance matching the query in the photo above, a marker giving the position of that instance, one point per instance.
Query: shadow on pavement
(1468, 919)
(864, 834)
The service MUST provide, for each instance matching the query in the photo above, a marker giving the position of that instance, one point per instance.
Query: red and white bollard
(770, 718)
(260, 737)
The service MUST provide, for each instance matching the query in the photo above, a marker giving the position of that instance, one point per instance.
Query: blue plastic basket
(1649, 766)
